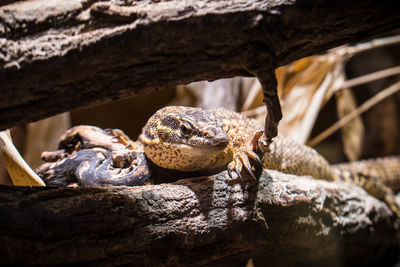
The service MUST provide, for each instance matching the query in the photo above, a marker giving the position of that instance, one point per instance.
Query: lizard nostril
(221, 139)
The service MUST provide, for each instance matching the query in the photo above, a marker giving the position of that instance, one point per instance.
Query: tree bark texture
(60, 55)
(199, 221)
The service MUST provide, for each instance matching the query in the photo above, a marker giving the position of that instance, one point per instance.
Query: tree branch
(198, 221)
(60, 55)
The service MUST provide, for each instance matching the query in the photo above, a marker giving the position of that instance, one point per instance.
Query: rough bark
(198, 221)
(60, 55)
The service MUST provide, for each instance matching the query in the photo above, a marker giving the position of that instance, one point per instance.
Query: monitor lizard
(192, 139)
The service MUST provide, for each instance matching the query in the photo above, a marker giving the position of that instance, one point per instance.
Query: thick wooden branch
(60, 55)
(198, 221)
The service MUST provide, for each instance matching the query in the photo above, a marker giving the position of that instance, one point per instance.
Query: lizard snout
(221, 139)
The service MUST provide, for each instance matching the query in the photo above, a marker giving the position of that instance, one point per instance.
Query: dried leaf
(352, 132)
(252, 92)
(303, 95)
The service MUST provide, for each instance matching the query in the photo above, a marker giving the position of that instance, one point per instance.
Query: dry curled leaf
(304, 87)
(352, 132)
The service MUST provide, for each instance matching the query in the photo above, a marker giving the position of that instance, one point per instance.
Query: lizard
(191, 139)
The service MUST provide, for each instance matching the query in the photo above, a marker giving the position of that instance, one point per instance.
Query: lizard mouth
(223, 143)
(214, 143)
(212, 148)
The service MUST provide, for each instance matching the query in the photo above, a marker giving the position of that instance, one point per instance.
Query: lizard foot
(118, 136)
(242, 159)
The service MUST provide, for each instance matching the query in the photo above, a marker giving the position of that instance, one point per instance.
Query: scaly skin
(191, 139)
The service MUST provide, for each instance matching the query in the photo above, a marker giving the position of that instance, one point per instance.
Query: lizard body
(191, 139)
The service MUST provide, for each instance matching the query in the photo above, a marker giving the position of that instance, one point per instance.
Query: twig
(355, 113)
(370, 77)
(349, 83)
(349, 51)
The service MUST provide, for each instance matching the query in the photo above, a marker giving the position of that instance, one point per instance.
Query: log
(60, 55)
(199, 221)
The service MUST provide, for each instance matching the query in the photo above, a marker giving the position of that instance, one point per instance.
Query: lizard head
(184, 138)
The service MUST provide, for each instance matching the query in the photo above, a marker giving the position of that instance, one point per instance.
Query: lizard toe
(235, 167)
(241, 160)
(252, 155)
(230, 172)
(238, 167)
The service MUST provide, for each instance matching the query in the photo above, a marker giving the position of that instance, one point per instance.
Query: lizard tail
(379, 177)
(391, 201)
(386, 168)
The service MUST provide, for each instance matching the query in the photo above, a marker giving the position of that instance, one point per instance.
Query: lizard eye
(186, 128)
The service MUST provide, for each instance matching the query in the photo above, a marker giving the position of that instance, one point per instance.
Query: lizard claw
(230, 173)
(231, 168)
(241, 160)
(236, 166)
(252, 155)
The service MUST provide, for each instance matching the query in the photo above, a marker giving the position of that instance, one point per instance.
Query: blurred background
(343, 103)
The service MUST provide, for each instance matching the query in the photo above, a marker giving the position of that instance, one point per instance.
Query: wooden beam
(199, 221)
(60, 55)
